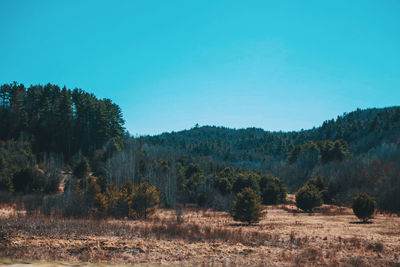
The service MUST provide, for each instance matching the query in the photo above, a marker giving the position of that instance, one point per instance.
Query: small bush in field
(145, 200)
(364, 206)
(247, 206)
(308, 197)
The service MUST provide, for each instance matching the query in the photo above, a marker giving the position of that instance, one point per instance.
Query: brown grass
(207, 238)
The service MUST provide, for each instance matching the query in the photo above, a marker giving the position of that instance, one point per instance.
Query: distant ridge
(362, 129)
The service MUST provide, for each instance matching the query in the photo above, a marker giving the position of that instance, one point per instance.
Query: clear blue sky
(277, 65)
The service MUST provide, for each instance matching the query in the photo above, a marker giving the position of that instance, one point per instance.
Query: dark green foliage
(308, 197)
(364, 206)
(273, 191)
(246, 179)
(326, 189)
(190, 179)
(324, 151)
(318, 182)
(59, 120)
(247, 206)
(82, 168)
(29, 180)
(224, 181)
(224, 185)
(20, 173)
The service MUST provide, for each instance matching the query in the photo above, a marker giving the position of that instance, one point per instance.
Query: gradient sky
(277, 65)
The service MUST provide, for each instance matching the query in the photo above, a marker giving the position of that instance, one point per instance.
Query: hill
(362, 130)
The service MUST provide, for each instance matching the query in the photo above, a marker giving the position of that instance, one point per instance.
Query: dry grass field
(285, 237)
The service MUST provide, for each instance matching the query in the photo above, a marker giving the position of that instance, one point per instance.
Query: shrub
(82, 169)
(247, 206)
(145, 200)
(326, 189)
(273, 191)
(318, 182)
(364, 206)
(29, 180)
(308, 197)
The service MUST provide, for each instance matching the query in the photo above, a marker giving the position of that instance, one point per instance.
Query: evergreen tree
(145, 200)
(308, 197)
(364, 206)
(247, 206)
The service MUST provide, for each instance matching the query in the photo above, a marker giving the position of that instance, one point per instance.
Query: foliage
(364, 206)
(28, 180)
(273, 191)
(322, 151)
(325, 189)
(59, 120)
(205, 165)
(144, 200)
(308, 197)
(82, 168)
(247, 206)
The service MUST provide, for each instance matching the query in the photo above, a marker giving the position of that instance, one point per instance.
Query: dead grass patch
(205, 238)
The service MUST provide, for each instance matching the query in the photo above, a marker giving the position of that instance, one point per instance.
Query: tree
(82, 169)
(28, 180)
(145, 200)
(364, 206)
(223, 185)
(320, 183)
(273, 191)
(247, 206)
(308, 197)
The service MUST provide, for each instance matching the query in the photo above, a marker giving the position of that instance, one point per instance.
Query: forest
(60, 147)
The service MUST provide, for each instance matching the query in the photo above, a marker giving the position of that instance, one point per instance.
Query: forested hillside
(356, 151)
(71, 146)
(362, 130)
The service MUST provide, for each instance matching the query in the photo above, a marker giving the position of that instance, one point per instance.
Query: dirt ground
(331, 236)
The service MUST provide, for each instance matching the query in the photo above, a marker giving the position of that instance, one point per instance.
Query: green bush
(145, 200)
(247, 206)
(273, 191)
(308, 197)
(364, 206)
(323, 187)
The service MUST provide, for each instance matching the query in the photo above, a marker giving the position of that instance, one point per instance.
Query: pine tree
(364, 206)
(247, 206)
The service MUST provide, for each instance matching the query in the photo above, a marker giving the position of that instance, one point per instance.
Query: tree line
(59, 120)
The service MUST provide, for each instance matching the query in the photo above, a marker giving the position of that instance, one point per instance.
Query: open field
(284, 237)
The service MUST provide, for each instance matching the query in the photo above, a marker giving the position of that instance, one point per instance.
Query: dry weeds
(207, 238)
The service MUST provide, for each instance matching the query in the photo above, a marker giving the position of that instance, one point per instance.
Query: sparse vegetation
(204, 238)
